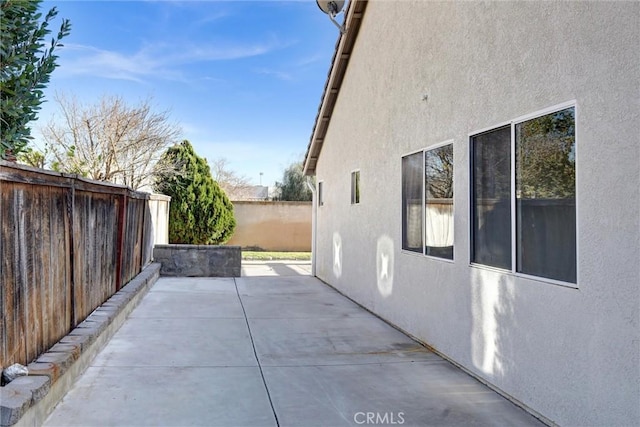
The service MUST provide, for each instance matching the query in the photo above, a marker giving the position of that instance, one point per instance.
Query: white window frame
(512, 123)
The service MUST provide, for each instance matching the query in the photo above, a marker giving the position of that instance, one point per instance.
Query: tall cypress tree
(200, 212)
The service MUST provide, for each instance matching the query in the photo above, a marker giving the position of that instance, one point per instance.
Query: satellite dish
(332, 8)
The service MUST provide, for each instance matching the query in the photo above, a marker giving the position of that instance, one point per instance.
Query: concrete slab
(179, 342)
(195, 284)
(181, 396)
(301, 306)
(275, 268)
(409, 394)
(333, 341)
(174, 304)
(287, 285)
(185, 356)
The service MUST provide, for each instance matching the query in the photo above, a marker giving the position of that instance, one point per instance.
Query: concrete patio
(276, 347)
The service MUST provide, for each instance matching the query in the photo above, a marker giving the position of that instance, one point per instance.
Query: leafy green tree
(26, 66)
(34, 158)
(545, 157)
(200, 212)
(293, 186)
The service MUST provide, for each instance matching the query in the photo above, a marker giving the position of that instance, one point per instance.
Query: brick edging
(28, 401)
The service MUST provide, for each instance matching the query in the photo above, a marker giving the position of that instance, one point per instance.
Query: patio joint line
(331, 365)
(170, 366)
(255, 353)
(185, 318)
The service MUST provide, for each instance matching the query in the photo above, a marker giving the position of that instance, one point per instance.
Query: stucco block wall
(272, 226)
(570, 354)
(159, 209)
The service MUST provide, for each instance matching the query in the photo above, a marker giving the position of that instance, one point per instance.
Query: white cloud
(308, 60)
(294, 68)
(160, 60)
(277, 74)
(214, 17)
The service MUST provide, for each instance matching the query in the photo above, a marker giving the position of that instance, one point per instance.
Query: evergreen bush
(200, 212)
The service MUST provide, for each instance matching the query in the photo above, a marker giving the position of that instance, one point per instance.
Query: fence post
(143, 233)
(122, 215)
(71, 200)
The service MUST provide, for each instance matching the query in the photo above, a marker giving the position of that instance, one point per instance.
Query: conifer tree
(200, 212)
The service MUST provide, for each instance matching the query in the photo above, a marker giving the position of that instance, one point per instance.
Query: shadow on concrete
(275, 268)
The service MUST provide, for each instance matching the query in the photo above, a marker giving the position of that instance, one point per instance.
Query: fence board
(3, 331)
(95, 238)
(60, 251)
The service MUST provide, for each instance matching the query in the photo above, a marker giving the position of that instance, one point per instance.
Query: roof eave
(339, 63)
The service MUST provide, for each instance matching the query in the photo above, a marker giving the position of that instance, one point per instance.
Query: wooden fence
(66, 245)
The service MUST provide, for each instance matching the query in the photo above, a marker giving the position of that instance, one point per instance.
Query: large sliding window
(546, 196)
(427, 202)
(491, 195)
(524, 196)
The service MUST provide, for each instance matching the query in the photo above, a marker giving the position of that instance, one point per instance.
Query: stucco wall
(272, 226)
(571, 355)
(159, 209)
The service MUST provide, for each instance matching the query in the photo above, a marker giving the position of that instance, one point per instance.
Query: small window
(438, 197)
(355, 187)
(427, 202)
(412, 181)
(320, 196)
(525, 221)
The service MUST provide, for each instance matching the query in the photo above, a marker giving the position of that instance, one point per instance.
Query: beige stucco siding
(570, 355)
(272, 226)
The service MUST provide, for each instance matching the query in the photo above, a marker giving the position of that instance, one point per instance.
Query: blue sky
(242, 78)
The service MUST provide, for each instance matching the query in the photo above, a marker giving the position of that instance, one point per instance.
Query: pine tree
(200, 212)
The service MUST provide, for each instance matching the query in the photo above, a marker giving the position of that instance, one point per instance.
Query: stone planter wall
(198, 260)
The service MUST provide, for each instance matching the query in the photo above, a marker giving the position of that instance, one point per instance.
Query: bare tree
(237, 187)
(439, 172)
(109, 140)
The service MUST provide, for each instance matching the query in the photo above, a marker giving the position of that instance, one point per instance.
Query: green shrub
(200, 212)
